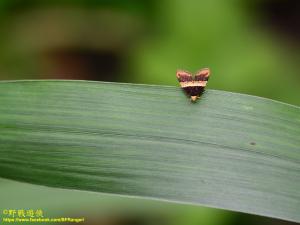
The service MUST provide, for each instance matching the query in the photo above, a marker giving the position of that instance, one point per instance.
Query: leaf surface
(228, 150)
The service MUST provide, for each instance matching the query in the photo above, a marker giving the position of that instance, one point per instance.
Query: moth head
(194, 98)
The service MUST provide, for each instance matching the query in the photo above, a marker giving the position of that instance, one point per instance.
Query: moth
(193, 86)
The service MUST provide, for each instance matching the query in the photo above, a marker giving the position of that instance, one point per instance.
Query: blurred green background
(251, 46)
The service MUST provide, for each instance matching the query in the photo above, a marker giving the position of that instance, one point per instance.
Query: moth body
(193, 86)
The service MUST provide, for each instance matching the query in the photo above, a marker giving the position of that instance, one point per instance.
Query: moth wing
(202, 75)
(184, 76)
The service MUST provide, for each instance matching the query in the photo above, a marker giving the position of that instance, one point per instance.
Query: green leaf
(228, 150)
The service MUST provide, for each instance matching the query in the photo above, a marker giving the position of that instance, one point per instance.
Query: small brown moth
(193, 87)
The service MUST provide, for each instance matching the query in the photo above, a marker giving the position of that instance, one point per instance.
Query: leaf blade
(228, 150)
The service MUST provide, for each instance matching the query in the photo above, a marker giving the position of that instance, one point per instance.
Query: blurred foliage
(218, 34)
(145, 42)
